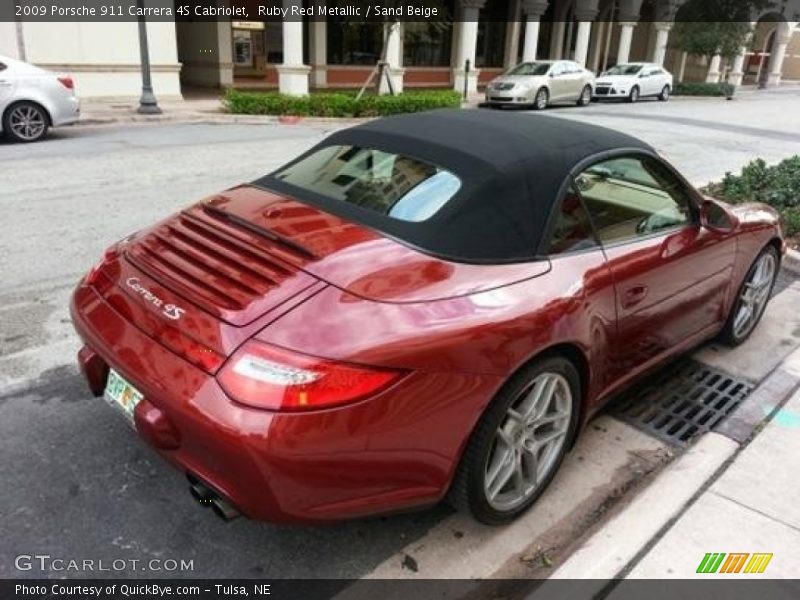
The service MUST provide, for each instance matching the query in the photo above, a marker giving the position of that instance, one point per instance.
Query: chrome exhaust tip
(224, 509)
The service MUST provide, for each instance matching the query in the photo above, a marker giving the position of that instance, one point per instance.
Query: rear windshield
(529, 69)
(394, 185)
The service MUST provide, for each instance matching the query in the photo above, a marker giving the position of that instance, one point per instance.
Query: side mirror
(551, 75)
(717, 217)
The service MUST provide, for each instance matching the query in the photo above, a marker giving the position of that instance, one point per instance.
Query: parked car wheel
(542, 99)
(586, 96)
(25, 122)
(752, 298)
(634, 95)
(664, 95)
(519, 442)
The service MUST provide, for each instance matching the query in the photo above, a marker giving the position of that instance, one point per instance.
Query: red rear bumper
(391, 452)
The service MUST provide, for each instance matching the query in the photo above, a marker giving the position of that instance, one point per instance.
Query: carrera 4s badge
(168, 310)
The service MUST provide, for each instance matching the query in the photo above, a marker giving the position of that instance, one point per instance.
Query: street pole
(147, 102)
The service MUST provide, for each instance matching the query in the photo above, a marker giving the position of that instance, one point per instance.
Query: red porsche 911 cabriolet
(420, 307)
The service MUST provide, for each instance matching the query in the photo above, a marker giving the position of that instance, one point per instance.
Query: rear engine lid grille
(225, 267)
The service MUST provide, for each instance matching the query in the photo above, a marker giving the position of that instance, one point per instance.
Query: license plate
(121, 394)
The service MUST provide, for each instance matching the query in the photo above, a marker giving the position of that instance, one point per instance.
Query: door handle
(632, 296)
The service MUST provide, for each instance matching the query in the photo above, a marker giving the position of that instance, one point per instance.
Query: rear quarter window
(395, 185)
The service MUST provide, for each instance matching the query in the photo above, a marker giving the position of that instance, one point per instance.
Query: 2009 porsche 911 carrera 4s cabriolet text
(420, 307)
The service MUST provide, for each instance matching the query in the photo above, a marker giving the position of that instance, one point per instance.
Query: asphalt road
(77, 483)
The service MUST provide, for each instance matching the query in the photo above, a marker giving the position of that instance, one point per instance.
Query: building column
(225, 53)
(625, 37)
(9, 45)
(681, 67)
(468, 42)
(737, 70)
(513, 28)
(597, 46)
(582, 42)
(319, 53)
(293, 74)
(557, 39)
(585, 12)
(662, 36)
(394, 58)
(777, 54)
(713, 69)
(533, 9)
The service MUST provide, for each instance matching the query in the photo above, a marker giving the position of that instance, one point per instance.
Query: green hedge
(703, 89)
(776, 185)
(337, 104)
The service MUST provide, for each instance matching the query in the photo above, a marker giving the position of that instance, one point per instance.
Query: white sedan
(32, 100)
(631, 81)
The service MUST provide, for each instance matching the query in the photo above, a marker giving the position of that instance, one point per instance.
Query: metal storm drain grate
(682, 401)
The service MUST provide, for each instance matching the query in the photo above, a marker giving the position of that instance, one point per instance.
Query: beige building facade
(488, 35)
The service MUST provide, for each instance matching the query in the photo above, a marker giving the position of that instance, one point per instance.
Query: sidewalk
(751, 508)
(734, 491)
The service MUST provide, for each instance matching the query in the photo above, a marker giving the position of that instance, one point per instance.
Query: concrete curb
(791, 261)
(213, 118)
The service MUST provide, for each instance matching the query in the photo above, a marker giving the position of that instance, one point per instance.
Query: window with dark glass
(631, 196)
(573, 229)
(492, 26)
(353, 43)
(429, 43)
(391, 184)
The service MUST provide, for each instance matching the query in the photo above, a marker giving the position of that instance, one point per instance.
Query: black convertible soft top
(512, 168)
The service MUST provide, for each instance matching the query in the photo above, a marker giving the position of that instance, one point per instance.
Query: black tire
(36, 115)
(586, 96)
(467, 490)
(543, 93)
(634, 95)
(728, 334)
(664, 95)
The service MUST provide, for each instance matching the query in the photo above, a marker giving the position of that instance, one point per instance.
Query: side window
(630, 197)
(573, 229)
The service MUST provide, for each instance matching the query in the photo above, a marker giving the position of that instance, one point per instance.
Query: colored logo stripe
(758, 563)
(734, 562)
(713, 562)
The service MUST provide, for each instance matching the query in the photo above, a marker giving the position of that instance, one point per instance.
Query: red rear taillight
(272, 378)
(95, 273)
(66, 81)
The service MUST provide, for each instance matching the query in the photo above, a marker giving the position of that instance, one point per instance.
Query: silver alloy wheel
(27, 122)
(754, 296)
(634, 94)
(586, 95)
(528, 442)
(665, 93)
(541, 99)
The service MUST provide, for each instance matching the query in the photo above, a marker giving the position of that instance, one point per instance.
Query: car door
(7, 85)
(559, 82)
(574, 79)
(654, 81)
(671, 275)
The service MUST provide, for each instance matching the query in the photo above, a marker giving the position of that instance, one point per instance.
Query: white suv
(631, 81)
(32, 100)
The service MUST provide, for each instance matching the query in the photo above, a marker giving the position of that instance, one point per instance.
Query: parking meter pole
(466, 79)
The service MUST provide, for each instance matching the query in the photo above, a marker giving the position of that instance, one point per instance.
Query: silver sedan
(541, 83)
(33, 99)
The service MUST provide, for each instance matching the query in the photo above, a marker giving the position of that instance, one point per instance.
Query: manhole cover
(682, 401)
